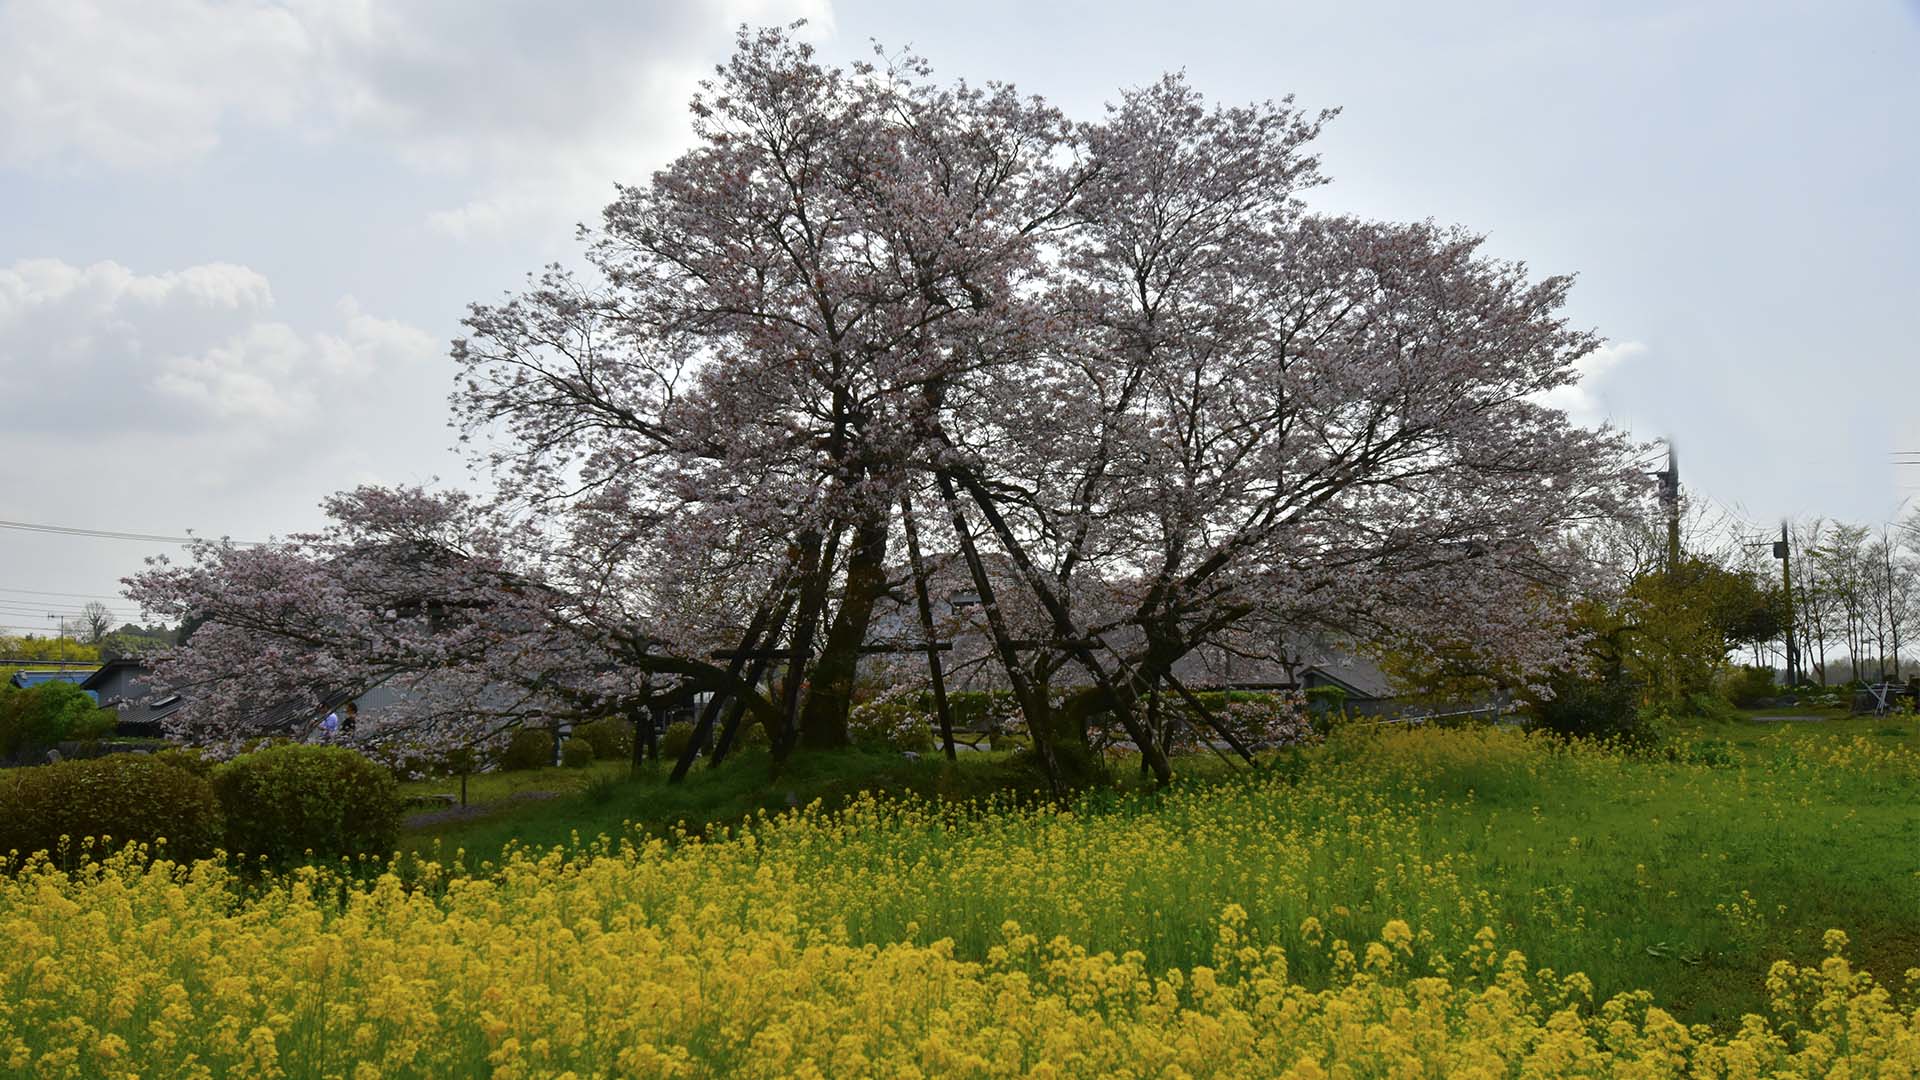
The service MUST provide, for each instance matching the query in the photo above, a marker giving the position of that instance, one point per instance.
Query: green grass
(491, 789)
(615, 798)
(1817, 725)
(1686, 874)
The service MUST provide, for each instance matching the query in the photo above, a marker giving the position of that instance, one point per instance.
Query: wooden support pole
(925, 603)
(704, 728)
(1207, 716)
(1118, 703)
(731, 729)
(1023, 689)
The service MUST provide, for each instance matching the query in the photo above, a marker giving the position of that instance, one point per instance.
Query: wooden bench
(972, 740)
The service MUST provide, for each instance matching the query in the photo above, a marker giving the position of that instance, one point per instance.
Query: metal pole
(1786, 584)
(1670, 495)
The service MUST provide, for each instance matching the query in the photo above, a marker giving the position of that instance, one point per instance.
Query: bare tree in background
(94, 624)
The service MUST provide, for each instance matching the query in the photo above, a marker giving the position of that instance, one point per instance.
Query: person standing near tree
(352, 718)
(330, 726)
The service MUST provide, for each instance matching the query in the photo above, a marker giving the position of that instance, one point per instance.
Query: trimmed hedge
(576, 753)
(527, 748)
(674, 740)
(127, 797)
(610, 737)
(288, 800)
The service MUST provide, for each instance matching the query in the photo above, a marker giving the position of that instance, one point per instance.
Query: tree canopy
(1113, 373)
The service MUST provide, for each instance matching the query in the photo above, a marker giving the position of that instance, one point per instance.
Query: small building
(124, 685)
(27, 680)
(1368, 690)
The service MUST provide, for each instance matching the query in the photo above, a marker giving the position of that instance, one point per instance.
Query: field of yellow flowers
(1423, 904)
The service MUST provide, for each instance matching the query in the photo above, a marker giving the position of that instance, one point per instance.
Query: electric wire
(109, 534)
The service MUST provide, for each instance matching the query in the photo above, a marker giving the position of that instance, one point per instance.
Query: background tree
(1684, 621)
(1814, 603)
(53, 649)
(94, 624)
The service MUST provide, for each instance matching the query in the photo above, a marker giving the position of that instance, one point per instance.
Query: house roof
(1357, 675)
(27, 679)
(98, 678)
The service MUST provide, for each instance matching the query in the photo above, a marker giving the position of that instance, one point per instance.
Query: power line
(44, 592)
(73, 603)
(70, 614)
(66, 601)
(27, 607)
(108, 534)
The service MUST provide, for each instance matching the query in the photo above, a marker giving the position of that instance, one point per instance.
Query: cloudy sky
(235, 237)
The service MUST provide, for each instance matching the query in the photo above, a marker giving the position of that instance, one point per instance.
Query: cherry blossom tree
(1261, 416)
(428, 595)
(873, 331)
(767, 323)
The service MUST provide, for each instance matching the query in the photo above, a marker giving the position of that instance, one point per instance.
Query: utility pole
(1783, 550)
(1670, 502)
(1893, 619)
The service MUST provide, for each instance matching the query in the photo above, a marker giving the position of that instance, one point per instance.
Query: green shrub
(94, 723)
(752, 733)
(186, 757)
(974, 710)
(611, 738)
(1326, 708)
(33, 719)
(577, 753)
(1711, 707)
(1747, 686)
(1603, 709)
(674, 740)
(128, 797)
(288, 800)
(528, 748)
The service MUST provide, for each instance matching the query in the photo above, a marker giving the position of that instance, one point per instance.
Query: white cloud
(114, 350)
(534, 109)
(136, 85)
(1583, 400)
(168, 402)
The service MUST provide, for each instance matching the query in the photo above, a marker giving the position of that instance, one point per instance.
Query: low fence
(1490, 714)
(1885, 698)
(69, 751)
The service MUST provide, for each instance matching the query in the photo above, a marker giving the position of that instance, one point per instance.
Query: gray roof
(122, 684)
(1359, 676)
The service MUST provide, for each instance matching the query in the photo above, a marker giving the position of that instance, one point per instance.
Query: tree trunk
(646, 743)
(816, 570)
(823, 721)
